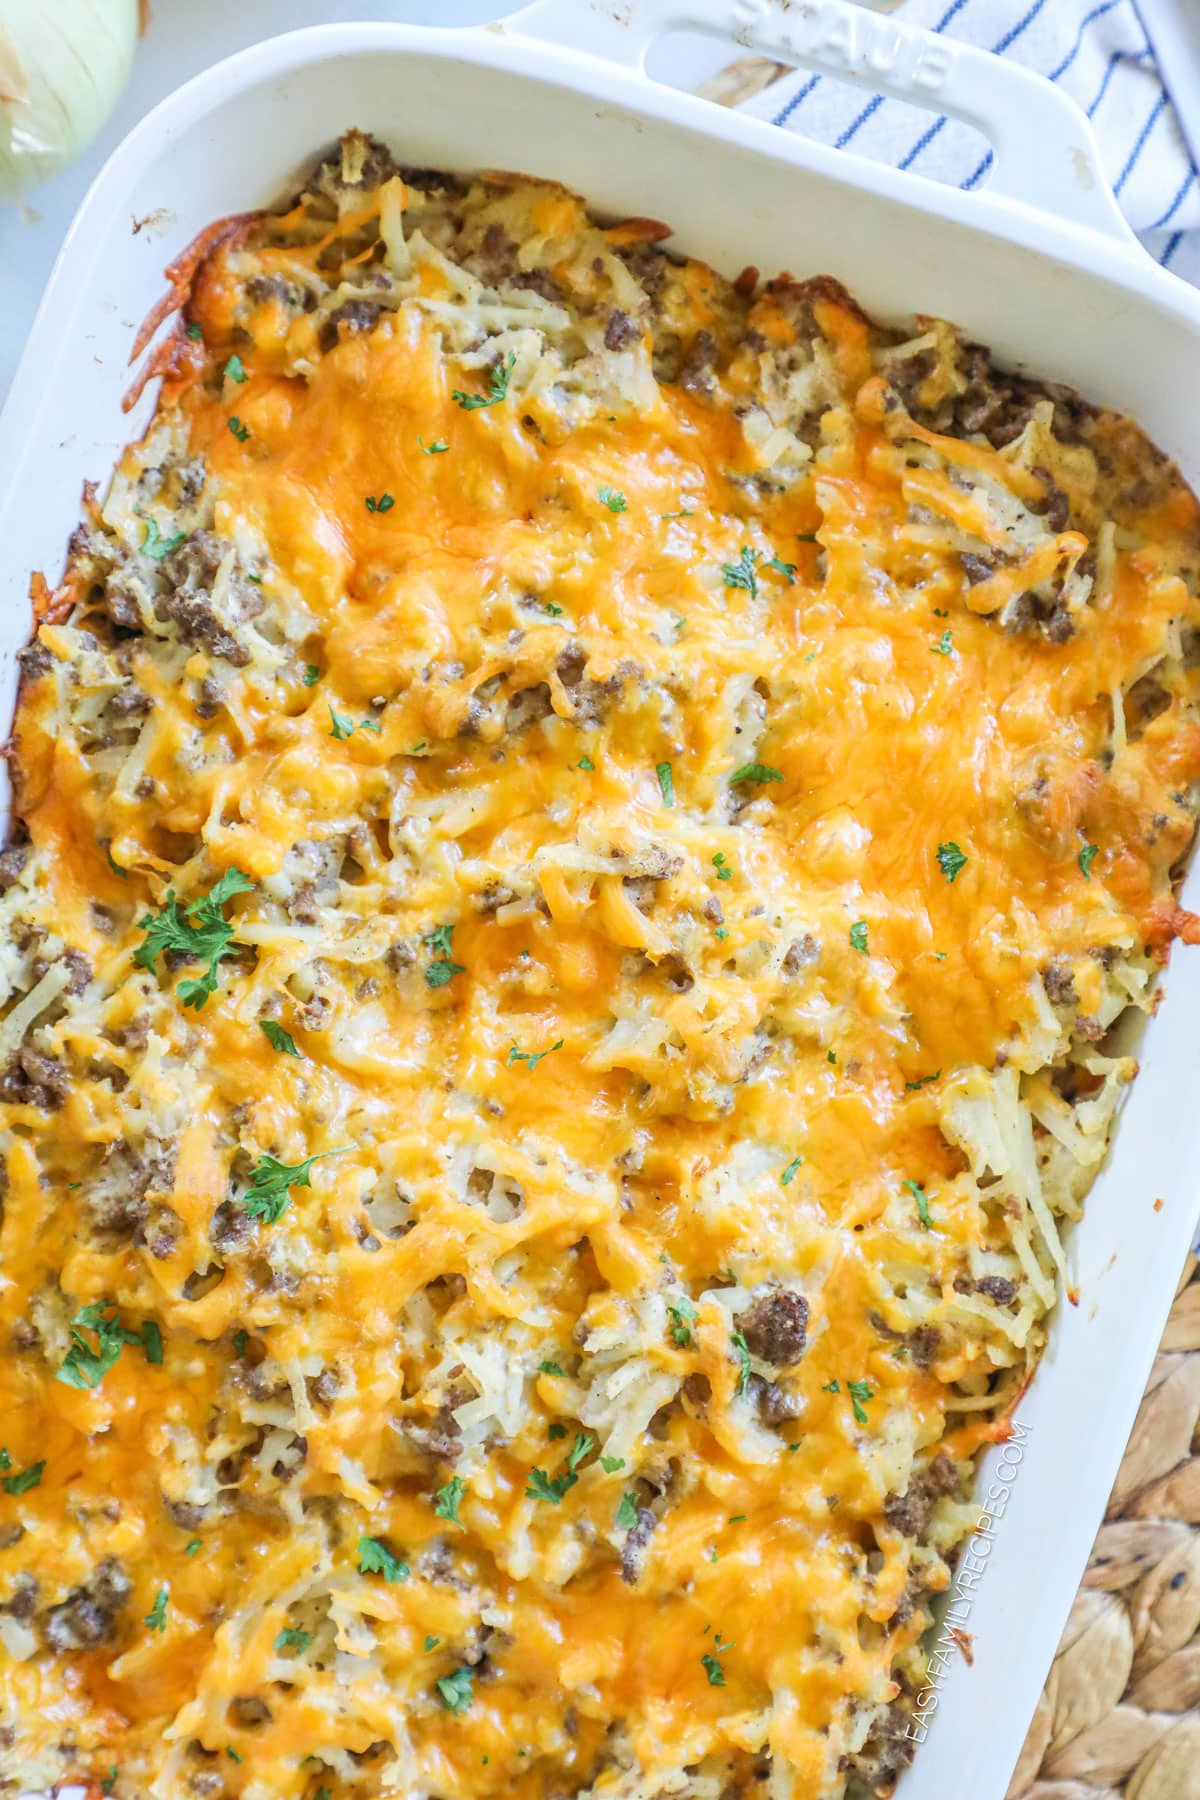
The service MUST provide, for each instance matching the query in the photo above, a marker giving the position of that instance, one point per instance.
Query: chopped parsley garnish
(685, 512)
(786, 569)
(110, 1780)
(431, 1643)
(721, 933)
(381, 503)
(155, 545)
(553, 608)
(540, 1486)
(789, 1174)
(556, 1432)
(292, 1638)
(195, 332)
(232, 1754)
(830, 1057)
(859, 1394)
(267, 1196)
(943, 645)
(586, 764)
(549, 1368)
(610, 1464)
(241, 432)
(756, 771)
(741, 573)
(666, 782)
(742, 1351)
(951, 860)
(341, 727)
(208, 938)
(115, 866)
(375, 1558)
(152, 1342)
(311, 674)
(235, 368)
(156, 1618)
(194, 1548)
(446, 1500)
(613, 499)
(713, 1669)
(719, 863)
(85, 1366)
(441, 970)
(922, 1199)
(438, 447)
(858, 937)
(27, 1479)
(455, 1691)
(627, 1512)
(832, 1387)
(912, 1086)
(497, 388)
(1087, 857)
(240, 1340)
(278, 1038)
(531, 1058)
(682, 1313)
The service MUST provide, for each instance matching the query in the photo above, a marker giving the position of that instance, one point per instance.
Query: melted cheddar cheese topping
(583, 831)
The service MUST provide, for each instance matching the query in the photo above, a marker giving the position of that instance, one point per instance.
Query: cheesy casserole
(583, 830)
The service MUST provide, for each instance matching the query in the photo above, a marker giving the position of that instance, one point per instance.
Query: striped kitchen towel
(1095, 49)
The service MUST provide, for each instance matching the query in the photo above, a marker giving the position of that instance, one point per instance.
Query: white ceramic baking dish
(1039, 265)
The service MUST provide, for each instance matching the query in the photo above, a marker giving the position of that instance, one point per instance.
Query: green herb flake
(666, 782)
(586, 764)
(292, 1638)
(155, 545)
(240, 1341)
(442, 970)
(711, 1664)
(719, 863)
(156, 1618)
(446, 1500)
(858, 937)
(627, 1512)
(438, 447)
(28, 1478)
(241, 432)
(195, 332)
(756, 771)
(556, 1433)
(944, 644)
(682, 1314)
(912, 1087)
(235, 369)
(266, 1196)
(278, 1038)
(455, 1691)
(380, 503)
(497, 388)
(152, 1342)
(859, 1394)
(431, 1643)
(85, 1366)
(549, 1368)
(374, 1558)
(832, 1387)
(741, 574)
(1087, 857)
(232, 1754)
(786, 569)
(194, 1548)
(552, 607)
(951, 861)
(790, 1173)
(742, 1352)
(610, 1464)
(613, 499)
(721, 933)
(922, 1199)
(311, 674)
(531, 1058)
(208, 938)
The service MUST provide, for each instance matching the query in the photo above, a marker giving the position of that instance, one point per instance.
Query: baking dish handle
(1045, 153)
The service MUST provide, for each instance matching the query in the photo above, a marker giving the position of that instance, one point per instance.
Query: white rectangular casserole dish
(1039, 265)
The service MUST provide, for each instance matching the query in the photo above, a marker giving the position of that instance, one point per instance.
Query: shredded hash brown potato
(583, 830)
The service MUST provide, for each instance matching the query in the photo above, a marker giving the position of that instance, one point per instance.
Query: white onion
(62, 65)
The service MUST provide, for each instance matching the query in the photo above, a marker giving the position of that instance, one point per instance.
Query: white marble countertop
(182, 39)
